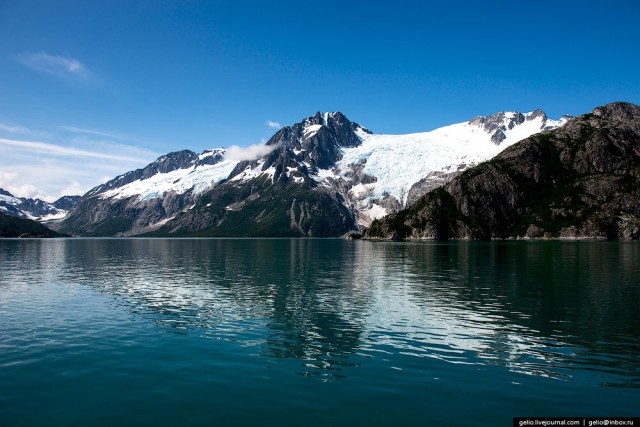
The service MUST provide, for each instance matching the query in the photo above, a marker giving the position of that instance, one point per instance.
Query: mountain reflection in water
(547, 309)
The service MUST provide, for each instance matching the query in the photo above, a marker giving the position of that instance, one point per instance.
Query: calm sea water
(315, 332)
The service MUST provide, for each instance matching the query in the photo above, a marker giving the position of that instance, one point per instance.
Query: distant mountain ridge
(35, 209)
(324, 176)
(579, 181)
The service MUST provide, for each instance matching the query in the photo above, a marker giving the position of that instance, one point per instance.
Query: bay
(286, 332)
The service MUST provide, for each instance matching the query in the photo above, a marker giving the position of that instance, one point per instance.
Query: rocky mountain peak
(620, 112)
(211, 157)
(315, 141)
(498, 124)
(535, 114)
(170, 162)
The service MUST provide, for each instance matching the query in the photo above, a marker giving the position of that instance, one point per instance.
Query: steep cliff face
(578, 181)
(262, 209)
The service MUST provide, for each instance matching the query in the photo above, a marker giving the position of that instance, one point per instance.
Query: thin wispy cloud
(12, 128)
(272, 124)
(69, 68)
(95, 132)
(20, 130)
(48, 171)
(57, 150)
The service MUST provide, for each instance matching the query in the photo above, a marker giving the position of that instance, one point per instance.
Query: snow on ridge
(9, 199)
(198, 178)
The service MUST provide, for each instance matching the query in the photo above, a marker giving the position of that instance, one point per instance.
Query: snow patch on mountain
(252, 173)
(311, 130)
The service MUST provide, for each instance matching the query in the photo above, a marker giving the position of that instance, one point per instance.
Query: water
(101, 332)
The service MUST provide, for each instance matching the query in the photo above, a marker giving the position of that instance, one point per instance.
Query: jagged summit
(313, 144)
(335, 124)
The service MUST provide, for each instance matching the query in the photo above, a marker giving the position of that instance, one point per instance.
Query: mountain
(35, 209)
(144, 199)
(578, 181)
(323, 176)
(12, 226)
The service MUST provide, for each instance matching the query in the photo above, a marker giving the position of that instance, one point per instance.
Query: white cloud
(7, 182)
(56, 65)
(250, 152)
(73, 189)
(6, 177)
(273, 124)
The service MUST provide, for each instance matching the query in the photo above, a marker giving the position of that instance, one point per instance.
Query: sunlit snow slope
(399, 161)
(197, 177)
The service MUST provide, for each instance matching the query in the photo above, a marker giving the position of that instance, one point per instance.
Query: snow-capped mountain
(35, 209)
(146, 198)
(323, 176)
(177, 172)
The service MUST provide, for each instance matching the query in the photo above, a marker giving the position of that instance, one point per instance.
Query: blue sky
(90, 89)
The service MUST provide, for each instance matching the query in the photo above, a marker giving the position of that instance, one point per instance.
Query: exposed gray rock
(429, 183)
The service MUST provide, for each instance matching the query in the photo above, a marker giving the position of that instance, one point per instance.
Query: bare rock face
(579, 181)
(429, 183)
